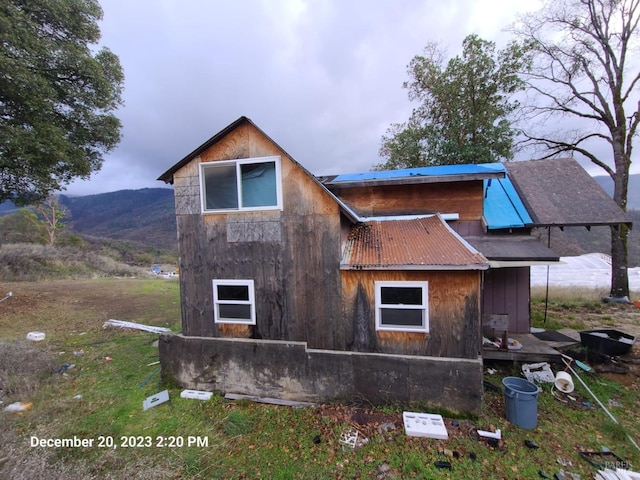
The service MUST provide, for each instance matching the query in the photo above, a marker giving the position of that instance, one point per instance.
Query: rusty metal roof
(425, 243)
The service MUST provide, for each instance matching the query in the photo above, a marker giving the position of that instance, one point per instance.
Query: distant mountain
(633, 198)
(146, 216)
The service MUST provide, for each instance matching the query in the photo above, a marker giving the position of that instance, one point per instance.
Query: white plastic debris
(538, 372)
(155, 400)
(484, 433)
(196, 394)
(18, 407)
(35, 336)
(424, 425)
(136, 326)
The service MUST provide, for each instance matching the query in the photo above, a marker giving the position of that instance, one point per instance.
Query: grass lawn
(96, 401)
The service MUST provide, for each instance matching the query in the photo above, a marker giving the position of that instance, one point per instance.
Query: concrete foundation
(291, 371)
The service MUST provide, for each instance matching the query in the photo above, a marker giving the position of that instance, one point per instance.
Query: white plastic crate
(424, 425)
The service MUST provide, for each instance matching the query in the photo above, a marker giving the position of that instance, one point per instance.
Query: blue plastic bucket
(521, 402)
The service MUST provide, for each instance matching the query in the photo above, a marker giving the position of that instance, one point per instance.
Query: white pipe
(599, 402)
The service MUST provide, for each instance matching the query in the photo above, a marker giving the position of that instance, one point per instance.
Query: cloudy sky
(323, 78)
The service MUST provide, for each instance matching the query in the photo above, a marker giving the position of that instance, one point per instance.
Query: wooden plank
(271, 401)
(533, 350)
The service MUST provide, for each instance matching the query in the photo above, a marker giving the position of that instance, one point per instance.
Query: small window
(233, 302)
(247, 184)
(402, 306)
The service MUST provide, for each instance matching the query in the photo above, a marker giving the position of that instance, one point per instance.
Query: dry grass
(23, 367)
(34, 262)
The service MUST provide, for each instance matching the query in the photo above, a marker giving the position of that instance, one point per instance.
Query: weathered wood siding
(507, 291)
(292, 255)
(463, 198)
(454, 314)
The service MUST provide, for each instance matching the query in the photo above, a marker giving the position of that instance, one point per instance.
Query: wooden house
(366, 286)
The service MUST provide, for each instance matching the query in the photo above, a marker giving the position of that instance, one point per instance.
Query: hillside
(633, 197)
(145, 216)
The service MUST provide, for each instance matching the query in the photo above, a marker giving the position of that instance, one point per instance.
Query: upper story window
(241, 185)
(402, 306)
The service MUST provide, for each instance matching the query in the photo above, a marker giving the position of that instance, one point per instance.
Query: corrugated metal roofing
(418, 244)
(502, 207)
(439, 170)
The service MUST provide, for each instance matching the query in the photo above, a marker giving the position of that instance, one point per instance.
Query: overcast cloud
(322, 78)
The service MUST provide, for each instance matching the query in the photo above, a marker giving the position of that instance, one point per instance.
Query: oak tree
(58, 95)
(586, 80)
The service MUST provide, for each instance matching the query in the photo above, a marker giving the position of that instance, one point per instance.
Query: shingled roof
(426, 243)
(559, 192)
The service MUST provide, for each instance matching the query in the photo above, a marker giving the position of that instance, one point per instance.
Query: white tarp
(592, 270)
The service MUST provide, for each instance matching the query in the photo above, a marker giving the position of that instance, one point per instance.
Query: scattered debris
(618, 474)
(386, 427)
(317, 439)
(564, 462)
(35, 336)
(8, 295)
(441, 464)
(78, 353)
(137, 326)
(18, 407)
(155, 400)
(272, 401)
(486, 434)
(351, 437)
(531, 444)
(603, 459)
(196, 394)
(424, 425)
(63, 368)
(538, 372)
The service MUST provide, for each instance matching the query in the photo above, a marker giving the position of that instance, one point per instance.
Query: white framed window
(234, 302)
(402, 306)
(241, 185)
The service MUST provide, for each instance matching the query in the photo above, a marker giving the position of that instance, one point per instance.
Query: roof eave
(417, 179)
(440, 268)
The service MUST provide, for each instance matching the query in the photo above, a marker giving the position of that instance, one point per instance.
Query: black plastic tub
(607, 342)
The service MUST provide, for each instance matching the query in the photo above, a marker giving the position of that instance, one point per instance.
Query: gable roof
(559, 192)
(426, 243)
(167, 176)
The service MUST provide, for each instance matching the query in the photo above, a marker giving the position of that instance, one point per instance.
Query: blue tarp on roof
(502, 205)
(422, 171)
